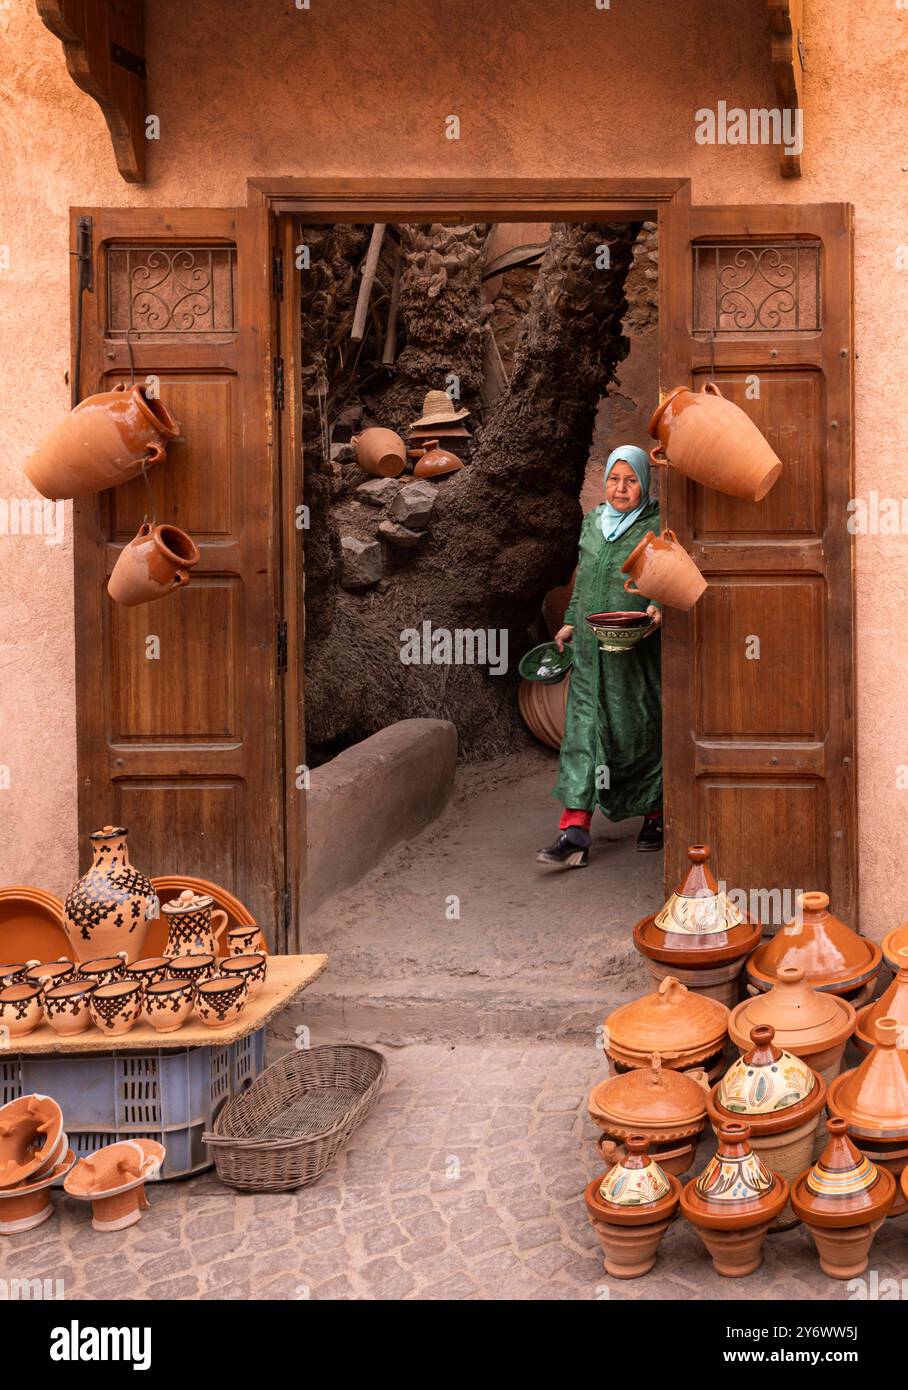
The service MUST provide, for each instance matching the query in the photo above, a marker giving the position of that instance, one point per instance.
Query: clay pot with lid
(834, 958)
(713, 442)
(873, 1097)
(660, 568)
(781, 1098)
(843, 1200)
(631, 1208)
(686, 1029)
(699, 936)
(432, 461)
(733, 1202)
(193, 925)
(667, 1107)
(155, 562)
(808, 1023)
(892, 1003)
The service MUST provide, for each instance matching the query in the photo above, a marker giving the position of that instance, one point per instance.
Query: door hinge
(281, 647)
(279, 383)
(286, 911)
(277, 274)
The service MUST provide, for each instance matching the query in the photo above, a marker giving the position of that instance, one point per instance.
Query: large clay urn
(686, 1029)
(713, 442)
(380, 452)
(892, 1003)
(833, 957)
(155, 562)
(111, 907)
(732, 1203)
(631, 1208)
(780, 1097)
(660, 568)
(103, 442)
(668, 1108)
(699, 936)
(843, 1200)
(808, 1023)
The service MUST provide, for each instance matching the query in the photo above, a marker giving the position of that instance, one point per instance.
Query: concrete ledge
(371, 797)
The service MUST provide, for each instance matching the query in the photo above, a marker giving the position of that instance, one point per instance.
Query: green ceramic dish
(546, 663)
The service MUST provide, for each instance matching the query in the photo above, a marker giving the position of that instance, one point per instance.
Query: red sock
(581, 818)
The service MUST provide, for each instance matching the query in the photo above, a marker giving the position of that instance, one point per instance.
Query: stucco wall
(541, 87)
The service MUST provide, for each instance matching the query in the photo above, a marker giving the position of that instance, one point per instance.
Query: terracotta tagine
(843, 1200)
(892, 1003)
(155, 562)
(712, 441)
(433, 462)
(32, 1139)
(103, 442)
(668, 1108)
(193, 925)
(28, 1203)
(631, 1208)
(113, 1180)
(891, 944)
(380, 452)
(808, 1023)
(733, 1202)
(873, 1098)
(660, 568)
(833, 957)
(781, 1099)
(699, 936)
(111, 906)
(684, 1028)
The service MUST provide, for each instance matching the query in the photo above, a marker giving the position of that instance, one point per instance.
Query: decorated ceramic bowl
(149, 971)
(103, 970)
(66, 1006)
(244, 940)
(21, 1008)
(114, 1008)
(192, 969)
(11, 972)
(54, 972)
(220, 1000)
(619, 632)
(546, 664)
(166, 1004)
(252, 968)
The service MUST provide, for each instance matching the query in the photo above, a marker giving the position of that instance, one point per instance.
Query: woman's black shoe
(650, 837)
(570, 851)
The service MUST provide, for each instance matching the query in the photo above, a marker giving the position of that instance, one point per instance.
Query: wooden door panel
(205, 817)
(728, 810)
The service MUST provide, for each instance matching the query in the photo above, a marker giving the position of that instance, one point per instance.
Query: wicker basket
(287, 1128)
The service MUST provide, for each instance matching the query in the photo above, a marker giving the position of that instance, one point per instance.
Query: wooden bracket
(786, 24)
(105, 53)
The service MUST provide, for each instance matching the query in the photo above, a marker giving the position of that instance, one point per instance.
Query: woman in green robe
(611, 753)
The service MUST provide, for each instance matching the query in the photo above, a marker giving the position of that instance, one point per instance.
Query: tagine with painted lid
(683, 1027)
(843, 1200)
(733, 1201)
(873, 1097)
(808, 1023)
(697, 922)
(631, 1208)
(833, 957)
(892, 1003)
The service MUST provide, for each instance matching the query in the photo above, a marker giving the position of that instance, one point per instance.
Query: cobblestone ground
(465, 1183)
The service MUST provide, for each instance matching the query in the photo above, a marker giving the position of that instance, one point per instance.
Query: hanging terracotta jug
(684, 1028)
(103, 442)
(380, 452)
(433, 462)
(155, 562)
(713, 442)
(893, 1003)
(631, 1208)
(666, 1107)
(733, 1201)
(832, 956)
(843, 1200)
(811, 1025)
(111, 906)
(193, 925)
(660, 568)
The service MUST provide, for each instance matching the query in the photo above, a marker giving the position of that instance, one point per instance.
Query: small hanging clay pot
(808, 1023)
(433, 462)
(103, 442)
(712, 441)
(667, 1107)
(193, 925)
(113, 1180)
(732, 1203)
(843, 1200)
(21, 1008)
(631, 1208)
(833, 957)
(781, 1099)
(380, 452)
(111, 906)
(28, 1204)
(32, 1139)
(686, 1029)
(660, 568)
(155, 562)
(892, 1003)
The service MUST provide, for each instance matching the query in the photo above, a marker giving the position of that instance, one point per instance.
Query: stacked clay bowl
(667, 1108)
(686, 1029)
(873, 1101)
(807, 1023)
(700, 937)
(892, 1003)
(833, 957)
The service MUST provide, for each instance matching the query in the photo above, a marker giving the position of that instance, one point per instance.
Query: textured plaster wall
(542, 87)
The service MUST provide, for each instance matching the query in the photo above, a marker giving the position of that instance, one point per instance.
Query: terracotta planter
(732, 1203)
(193, 925)
(113, 1180)
(713, 442)
(631, 1208)
(31, 1137)
(660, 568)
(111, 906)
(21, 1008)
(28, 1204)
(155, 562)
(684, 1028)
(843, 1200)
(808, 1023)
(665, 1106)
(380, 452)
(873, 1098)
(166, 1004)
(66, 1007)
(892, 1003)
(102, 443)
(220, 1000)
(115, 1008)
(833, 957)
(252, 968)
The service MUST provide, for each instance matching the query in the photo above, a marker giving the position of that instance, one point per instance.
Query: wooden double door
(187, 731)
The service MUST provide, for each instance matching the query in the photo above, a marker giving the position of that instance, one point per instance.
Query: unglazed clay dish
(31, 925)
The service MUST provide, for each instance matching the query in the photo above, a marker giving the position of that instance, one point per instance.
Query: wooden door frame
(276, 202)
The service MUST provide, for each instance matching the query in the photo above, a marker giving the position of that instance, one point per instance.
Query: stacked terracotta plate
(543, 709)
(686, 1029)
(31, 925)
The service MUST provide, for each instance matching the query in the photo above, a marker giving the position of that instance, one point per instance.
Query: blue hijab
(615, 523)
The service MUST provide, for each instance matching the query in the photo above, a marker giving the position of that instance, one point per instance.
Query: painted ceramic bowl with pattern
(149, 971)
(50, 973)
(166, 1004)
(21, 1008)
(243, 940)
(66, 1006)
(192, 969)
(220, 1000)
(10, 972)
(252, 968)
(104, 970)
(114, 1008)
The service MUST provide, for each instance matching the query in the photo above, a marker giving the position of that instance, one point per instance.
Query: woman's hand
(564, 634)
(656, 615)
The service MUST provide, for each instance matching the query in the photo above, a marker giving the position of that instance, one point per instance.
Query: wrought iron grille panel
(170, 291)
(754, 287)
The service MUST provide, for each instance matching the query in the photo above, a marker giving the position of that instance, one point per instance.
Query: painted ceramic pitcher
(192, 926)
(111, 907)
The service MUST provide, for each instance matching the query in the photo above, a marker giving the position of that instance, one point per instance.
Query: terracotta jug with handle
(712, 441)
(193, 925)
(660, 568)
(155, 562)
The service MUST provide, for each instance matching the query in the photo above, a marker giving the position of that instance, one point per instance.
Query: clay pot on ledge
(733, 1202)
(892, 1003)
(660, 568)
(808, 1023)
(843, 1200)
(667, 1107)
(834, 958)
(686, 1029)
(112, 906)
(631, 1208)
(714, 443)
(155, 562)
(780, 1098)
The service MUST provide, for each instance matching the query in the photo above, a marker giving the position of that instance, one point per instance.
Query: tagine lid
(892, 1003)
(650, 1096)
(804, 1018)
(829, 952)
(843, 1188)
(873, 1097)
(673, 1020)
(767, 1087)
(736, 1189)
(635, 1191)
(697, 908)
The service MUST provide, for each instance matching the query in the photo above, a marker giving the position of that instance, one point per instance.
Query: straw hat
(438, 409)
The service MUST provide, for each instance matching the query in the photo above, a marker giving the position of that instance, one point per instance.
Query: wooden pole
(365, 289)
(390, 351)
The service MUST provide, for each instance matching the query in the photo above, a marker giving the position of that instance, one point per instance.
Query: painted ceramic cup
(220, 1000)
(66, 1006)
(54, 972)
(114, 1008)
(166, 1004)
(242, 941)
(149, 971)
(252, 968)
(21, 1008)
(10, 972)
(103, 970)
(193, 969)
(155, 562)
